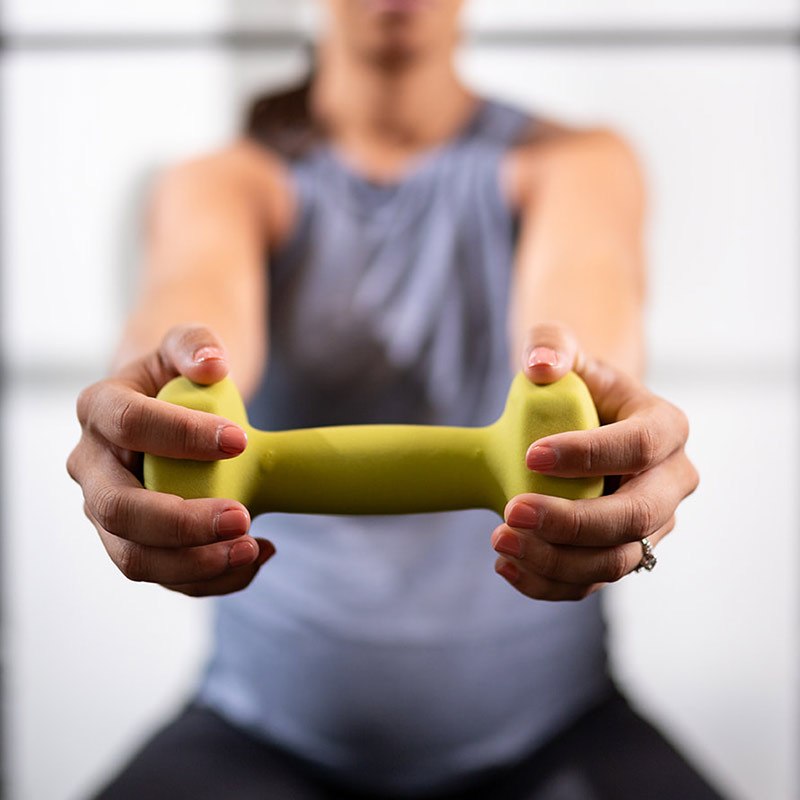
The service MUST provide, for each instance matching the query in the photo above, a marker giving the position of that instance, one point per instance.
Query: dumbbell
(381, 469)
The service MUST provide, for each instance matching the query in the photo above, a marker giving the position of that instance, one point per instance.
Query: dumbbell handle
(381, 469)
(373, 469)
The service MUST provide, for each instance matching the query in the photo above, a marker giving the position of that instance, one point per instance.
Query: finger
(576, 565)
(549, 352)
(120, 414)
(650, 435)
(196, 352)
(191, 350)
(177, 566)
(539, 588)
(233, 581)
(616, 395)
(562, 563)
(119, 504)
(637, 509)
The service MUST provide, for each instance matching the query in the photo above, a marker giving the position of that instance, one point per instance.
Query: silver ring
(648, 561)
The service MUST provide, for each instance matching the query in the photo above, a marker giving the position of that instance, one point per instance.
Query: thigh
(611, 753)
(201, 756)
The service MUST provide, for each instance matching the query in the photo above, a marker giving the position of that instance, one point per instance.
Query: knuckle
(186, 338)
(73, 464)
(535, 588)
(185, 528)
(645, 448)
(573, 530)
(207, 563)
(694, 478)
(189, 435)
(616, 566)
(196, 432)
(643, 516)
(592, 455)
(85, 402)
(681, 423)
(603, 376)
(178, 333)
(582, 592)
(108, 509)
(131, 562)
(550, 562)
(125, 418)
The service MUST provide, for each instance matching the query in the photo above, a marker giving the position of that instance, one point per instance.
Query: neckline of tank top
(416, 167)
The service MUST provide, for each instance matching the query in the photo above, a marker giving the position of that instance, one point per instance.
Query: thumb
(549, 353)
(196, 352)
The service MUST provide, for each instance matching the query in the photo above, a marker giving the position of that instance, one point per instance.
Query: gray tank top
(386, 648)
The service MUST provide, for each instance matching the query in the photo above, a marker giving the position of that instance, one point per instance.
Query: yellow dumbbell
(381, 469)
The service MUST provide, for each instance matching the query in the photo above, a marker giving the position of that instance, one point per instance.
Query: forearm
(206, 245)
(235, 314)
(604, 312)
(579, 260)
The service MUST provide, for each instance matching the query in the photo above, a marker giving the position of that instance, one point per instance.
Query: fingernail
(541, 457)
(242, 553)
(508, 571)
(231, 439)
(543, 357)
(207, 353)
(524, 516)
(231, 523)
(509, 545)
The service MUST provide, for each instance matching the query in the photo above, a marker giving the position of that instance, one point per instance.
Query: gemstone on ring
(649, 560)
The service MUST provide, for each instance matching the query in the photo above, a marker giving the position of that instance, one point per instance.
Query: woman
(419, 240)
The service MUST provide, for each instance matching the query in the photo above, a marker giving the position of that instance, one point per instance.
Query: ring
(648, 561)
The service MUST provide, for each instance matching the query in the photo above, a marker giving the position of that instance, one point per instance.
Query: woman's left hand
(556, 549)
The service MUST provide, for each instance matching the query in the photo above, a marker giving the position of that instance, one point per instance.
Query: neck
(381, 115)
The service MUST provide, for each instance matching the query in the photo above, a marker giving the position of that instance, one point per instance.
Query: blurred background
(98, 96)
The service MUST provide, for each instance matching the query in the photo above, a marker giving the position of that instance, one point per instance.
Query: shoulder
(551, 154)
(243, 178)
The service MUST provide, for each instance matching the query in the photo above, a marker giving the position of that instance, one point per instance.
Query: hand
(197, 547)
(555, 549)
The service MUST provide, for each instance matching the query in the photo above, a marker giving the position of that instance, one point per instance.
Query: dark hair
(283, 120)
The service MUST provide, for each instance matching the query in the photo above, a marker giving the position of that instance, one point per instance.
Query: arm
(209, 226)
(576, 304)
(579, 260)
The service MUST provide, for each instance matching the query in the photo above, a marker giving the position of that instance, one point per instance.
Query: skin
(386, 91)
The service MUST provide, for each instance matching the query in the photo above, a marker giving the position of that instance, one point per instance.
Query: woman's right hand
(197, 547)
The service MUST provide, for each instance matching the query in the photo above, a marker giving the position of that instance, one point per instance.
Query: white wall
(707, 643)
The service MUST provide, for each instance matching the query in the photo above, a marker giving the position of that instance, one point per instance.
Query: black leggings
(610, 753)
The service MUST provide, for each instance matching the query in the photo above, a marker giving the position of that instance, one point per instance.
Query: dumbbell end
(192, 479)
(533, 411)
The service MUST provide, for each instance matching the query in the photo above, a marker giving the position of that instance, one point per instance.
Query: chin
(395, 37)
(395, 32)
(397, 7)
